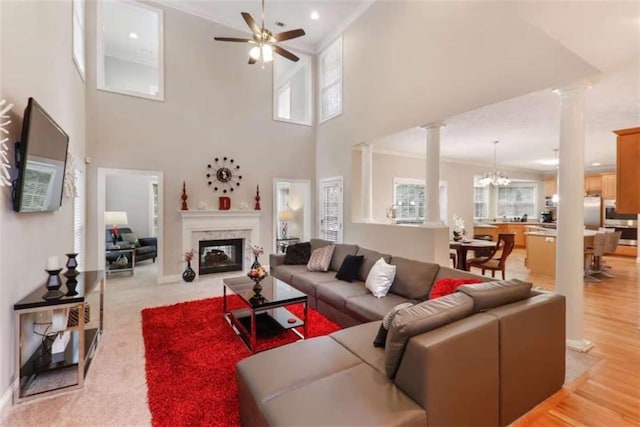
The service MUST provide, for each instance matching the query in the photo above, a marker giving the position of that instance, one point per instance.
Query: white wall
(35, 47)
(434, 60)
(215, 105)
(120, 74)
(131, 194)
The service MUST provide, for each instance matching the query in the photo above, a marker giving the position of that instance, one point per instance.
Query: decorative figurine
(257, 199)
(184, 197)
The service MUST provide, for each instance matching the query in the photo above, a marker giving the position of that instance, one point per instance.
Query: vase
(188, 275)
(257, 273)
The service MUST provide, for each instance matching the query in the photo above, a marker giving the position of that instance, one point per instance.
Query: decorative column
(367, 182)
(432, 177)
(570, 239)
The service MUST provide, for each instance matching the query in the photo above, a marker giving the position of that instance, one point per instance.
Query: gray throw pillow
(421, 318)
(381, 337)
(131, 238)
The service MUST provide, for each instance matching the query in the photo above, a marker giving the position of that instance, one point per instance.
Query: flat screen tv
(41, 158)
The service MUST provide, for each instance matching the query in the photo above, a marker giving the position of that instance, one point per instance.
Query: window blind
(331, 211)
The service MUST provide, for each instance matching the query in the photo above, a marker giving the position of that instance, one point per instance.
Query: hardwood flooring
(609, 393)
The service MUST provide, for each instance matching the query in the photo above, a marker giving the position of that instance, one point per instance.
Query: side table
(128, 253)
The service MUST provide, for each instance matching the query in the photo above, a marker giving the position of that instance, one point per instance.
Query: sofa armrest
(148, 241)
(276, 260)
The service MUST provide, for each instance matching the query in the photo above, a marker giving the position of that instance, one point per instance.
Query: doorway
(330, 209)
(291, 213)
(139, 195)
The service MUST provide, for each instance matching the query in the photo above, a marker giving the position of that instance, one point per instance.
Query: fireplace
(220, 255)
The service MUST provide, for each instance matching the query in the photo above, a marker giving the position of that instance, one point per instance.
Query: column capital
(577, 86)
(434, 126)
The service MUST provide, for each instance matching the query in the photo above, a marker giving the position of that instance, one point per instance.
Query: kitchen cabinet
(593, 184)
(627, 171)
(550, 186)
(517, 228)
(609, 186)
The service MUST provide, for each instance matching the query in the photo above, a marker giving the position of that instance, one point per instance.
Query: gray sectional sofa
(482, 356)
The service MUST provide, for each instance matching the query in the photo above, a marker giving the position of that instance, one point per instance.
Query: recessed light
(315, 15)
(595, 164)
(133, 36)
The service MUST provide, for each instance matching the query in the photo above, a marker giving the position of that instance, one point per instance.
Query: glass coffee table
(264, 310)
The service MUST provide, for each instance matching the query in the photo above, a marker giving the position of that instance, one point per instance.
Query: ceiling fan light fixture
(494, 177)
(267, 53)
(255, 52)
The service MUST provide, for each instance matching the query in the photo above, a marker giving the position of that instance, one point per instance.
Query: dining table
(463, 246)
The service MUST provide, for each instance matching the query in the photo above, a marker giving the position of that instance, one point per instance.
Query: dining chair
(497, 260)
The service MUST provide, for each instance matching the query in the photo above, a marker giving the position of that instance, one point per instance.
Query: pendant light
(495, 177)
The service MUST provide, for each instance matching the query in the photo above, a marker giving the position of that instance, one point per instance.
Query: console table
(43, 374)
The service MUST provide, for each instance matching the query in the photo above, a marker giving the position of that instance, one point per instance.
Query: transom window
(330, 76)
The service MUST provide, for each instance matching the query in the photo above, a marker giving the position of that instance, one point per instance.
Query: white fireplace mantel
(204, 224)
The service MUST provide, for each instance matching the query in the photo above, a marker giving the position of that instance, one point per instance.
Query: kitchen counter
(541, 250)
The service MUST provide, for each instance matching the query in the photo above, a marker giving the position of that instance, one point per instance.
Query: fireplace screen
(217, 256)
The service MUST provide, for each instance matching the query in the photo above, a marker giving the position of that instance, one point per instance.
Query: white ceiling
(606, 34)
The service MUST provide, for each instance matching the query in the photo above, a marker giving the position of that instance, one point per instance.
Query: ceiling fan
(265, 40)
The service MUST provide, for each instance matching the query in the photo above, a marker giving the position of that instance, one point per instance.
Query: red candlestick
(184, 197)
(257, 198)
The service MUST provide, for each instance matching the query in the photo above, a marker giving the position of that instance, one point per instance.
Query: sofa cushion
(494, 294)
(369, 308)
(131, 238)
(337, 292)
(420, 318)
(286, 272)
(457, 274)
(340, 252)
(308, 280)
(381, 337)
(144, 250)
(357, 340)
(448, 285)
(370, 258)
(298, 254)
(320, 259)
(319, 243)
(380, 278)
(350, 268)
(413, 278)
(363, 397)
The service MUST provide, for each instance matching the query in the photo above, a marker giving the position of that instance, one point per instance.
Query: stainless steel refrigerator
(592, 212)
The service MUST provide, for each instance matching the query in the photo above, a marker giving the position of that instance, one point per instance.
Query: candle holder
(72, 264)
(53, 285)
(71, 285)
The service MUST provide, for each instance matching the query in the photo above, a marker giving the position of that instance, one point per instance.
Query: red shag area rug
(191, 354)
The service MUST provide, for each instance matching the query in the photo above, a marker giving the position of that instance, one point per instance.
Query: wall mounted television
(41, 158)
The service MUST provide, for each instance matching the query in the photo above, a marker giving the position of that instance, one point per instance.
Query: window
(292, 90)
(517, 199)
(331, 209)
(408, 196)
(130, 49)
(284, 102)
(78, 35)
(480, 201)
(330, 75)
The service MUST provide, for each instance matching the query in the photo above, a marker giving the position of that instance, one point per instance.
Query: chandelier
(494, 177)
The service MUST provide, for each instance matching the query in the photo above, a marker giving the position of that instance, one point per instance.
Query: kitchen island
(541, 250)
(494, 228)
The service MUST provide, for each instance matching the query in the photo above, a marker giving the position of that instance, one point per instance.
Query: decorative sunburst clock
(223, 175)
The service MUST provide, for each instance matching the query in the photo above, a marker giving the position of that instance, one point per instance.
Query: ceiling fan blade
(288, 35)
(233, 39)
(284, 52)
(251, 23)
(252, 60)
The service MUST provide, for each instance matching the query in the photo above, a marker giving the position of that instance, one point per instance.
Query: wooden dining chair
(498, 257)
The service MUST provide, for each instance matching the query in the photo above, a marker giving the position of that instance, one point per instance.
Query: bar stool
(592, 255)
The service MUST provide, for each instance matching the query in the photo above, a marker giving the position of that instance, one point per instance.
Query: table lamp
(115, 219)
(284, 217)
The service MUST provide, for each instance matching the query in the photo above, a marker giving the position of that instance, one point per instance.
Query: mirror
(292, 90)
(130, 49)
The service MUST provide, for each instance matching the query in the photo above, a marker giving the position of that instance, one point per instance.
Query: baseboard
(174, 278)
(582, 346)
(6, 399)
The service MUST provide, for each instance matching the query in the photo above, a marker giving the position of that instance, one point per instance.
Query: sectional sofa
(483, 356)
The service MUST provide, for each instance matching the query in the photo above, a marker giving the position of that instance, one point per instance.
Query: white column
(367, 182)
(570, 241)
(432, 177)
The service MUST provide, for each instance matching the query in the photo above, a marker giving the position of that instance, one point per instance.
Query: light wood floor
(608, 394)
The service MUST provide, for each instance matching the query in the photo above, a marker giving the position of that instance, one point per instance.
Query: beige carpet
(115, 391)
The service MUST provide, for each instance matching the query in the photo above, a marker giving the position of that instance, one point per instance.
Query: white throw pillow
(380, 278)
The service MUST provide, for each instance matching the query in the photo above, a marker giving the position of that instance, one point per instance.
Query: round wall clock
(223, 175)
